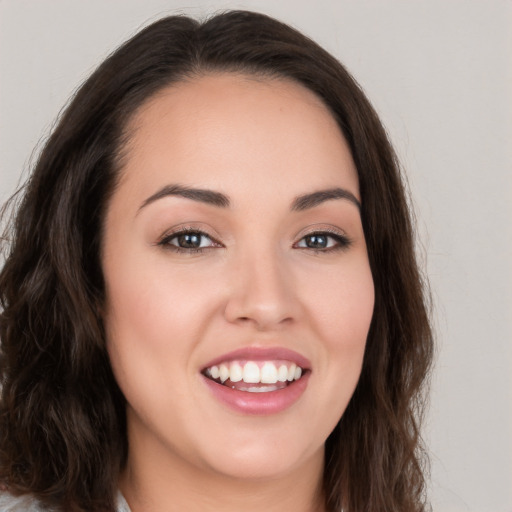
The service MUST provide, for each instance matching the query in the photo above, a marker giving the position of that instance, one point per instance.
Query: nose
(262, 294)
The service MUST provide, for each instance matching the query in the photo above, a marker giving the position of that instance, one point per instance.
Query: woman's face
(239, 294)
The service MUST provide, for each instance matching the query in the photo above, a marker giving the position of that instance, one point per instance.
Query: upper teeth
(254, 373)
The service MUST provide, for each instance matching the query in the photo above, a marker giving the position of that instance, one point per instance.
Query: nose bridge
(262, 291)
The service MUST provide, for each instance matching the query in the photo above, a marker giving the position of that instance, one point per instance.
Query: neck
(161, 486)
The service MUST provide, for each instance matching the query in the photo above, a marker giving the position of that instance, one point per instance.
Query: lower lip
(270, 402)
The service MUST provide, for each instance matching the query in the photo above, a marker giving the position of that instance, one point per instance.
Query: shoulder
(10, 503)
(122, 506)
(26, 503)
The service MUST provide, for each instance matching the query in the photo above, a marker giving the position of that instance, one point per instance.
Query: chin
(266, 459)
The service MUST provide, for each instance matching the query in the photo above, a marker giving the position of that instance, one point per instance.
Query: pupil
(189, 240)
(316, 241)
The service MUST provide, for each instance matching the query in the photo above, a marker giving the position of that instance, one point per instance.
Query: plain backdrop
(439, 72)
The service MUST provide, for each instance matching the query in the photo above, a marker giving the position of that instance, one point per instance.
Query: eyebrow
(196, 194)
(300, 203)
(308, 201)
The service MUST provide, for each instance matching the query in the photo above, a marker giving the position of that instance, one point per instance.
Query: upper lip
(261, 354)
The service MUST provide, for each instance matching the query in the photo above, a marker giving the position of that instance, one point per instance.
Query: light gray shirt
(9, 503)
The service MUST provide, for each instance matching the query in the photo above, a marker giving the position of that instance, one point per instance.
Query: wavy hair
(62, 415)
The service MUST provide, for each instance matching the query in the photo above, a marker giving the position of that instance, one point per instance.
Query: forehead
(223, 130)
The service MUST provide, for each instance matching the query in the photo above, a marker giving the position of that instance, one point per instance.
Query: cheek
(157, 315)
(154, 321)
(149, 295)
(341, 308)
(341, 302)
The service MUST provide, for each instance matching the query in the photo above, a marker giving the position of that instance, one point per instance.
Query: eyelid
(320, 228)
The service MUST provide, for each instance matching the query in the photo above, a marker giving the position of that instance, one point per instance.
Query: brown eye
(191, 241)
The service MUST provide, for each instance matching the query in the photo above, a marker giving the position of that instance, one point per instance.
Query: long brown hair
(62, 415)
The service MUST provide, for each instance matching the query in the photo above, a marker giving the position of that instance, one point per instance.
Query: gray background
(440, 74)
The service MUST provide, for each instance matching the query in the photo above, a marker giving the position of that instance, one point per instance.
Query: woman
(211, 298)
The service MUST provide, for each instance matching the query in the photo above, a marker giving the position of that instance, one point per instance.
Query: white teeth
(264, 389)
(268, 374)
(235, 373)
(282, 373)
(223, 373)
(251, 373)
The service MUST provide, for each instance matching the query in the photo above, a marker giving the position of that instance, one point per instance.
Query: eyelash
(342, 242)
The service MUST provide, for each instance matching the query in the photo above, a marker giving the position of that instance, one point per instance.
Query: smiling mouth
(255, 376)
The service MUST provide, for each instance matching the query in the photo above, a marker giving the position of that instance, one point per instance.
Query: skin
(262, 143)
